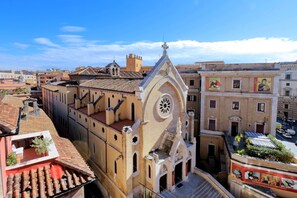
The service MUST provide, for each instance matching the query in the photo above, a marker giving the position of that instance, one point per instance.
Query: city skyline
(40, 35)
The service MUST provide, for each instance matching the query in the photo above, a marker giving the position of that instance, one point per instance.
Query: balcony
(26, 154)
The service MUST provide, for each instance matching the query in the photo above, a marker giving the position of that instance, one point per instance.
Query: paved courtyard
(194, 187)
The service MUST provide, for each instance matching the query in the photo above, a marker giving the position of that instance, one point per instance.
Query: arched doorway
(178, 173)
(163, 182)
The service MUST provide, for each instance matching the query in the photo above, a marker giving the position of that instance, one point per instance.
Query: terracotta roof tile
(70, 157)
(40, 182)
(48, 180)
(9, 115)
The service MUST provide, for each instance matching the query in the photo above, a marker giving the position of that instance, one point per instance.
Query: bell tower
(133, 63)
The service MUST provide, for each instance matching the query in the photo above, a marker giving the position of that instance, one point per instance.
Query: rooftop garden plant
(41, 145)
(11, 159)
(280, 153)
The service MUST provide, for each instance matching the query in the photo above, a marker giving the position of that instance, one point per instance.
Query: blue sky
(65, 34)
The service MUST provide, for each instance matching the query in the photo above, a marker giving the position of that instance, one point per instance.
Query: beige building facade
(236, 98)
(135, 132)
(287, 102)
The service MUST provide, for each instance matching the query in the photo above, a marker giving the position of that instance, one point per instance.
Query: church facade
(135, 132)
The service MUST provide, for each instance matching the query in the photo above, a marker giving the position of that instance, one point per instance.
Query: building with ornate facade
(236, 98)
(137, 130)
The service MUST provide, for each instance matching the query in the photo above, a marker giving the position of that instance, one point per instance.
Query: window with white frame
(261, 107)
(235, 105)
(191, 98)
(236, 84)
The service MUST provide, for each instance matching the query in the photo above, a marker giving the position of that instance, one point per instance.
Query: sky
(64, 34)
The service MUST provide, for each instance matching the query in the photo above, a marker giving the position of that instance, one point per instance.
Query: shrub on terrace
(280, 153)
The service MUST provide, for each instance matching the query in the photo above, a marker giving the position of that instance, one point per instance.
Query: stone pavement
(195, 186)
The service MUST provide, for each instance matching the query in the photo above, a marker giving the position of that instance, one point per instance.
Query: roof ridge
(74, 167)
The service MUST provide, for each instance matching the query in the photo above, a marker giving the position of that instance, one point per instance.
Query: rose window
(165, 106)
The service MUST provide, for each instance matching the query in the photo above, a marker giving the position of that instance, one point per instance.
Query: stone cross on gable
(165, 47)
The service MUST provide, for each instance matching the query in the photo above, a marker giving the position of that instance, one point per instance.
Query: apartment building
(56, 98)
(191, 77)
(23, 75)
(46, 77)
(236, 98)
(287, 101)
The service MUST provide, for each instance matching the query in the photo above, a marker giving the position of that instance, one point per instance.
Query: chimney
(26, 106)
(35, 108)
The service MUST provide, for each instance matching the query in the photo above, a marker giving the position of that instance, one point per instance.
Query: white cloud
(45, 41)
(21, 45)
(73, 29)
(74, 50)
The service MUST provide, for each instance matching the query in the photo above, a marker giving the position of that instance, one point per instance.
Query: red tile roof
(119, 125)
(100, 116)
(9, 115)
(45, 181)
(37, 180)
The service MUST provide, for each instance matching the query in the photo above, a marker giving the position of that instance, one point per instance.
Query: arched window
(113, 71)
(149, 171)
(134, 163)
(115, 167)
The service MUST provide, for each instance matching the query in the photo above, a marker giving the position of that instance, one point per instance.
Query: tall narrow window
(149, 171)
(132, 112)
(287, 93)
(108, 102)
(212, 104)
(134, 163)
(115, 167)
(288, 76)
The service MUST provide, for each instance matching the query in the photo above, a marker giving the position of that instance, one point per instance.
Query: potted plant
(11, 159)
(41, 145)
(237, 140)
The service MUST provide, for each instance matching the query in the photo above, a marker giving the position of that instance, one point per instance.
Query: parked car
(280, 131)
(286, 135)
(291, 120)
(290, 131)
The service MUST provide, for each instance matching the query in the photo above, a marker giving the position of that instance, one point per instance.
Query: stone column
(191, 126)
(128, 160)
(202, 115)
